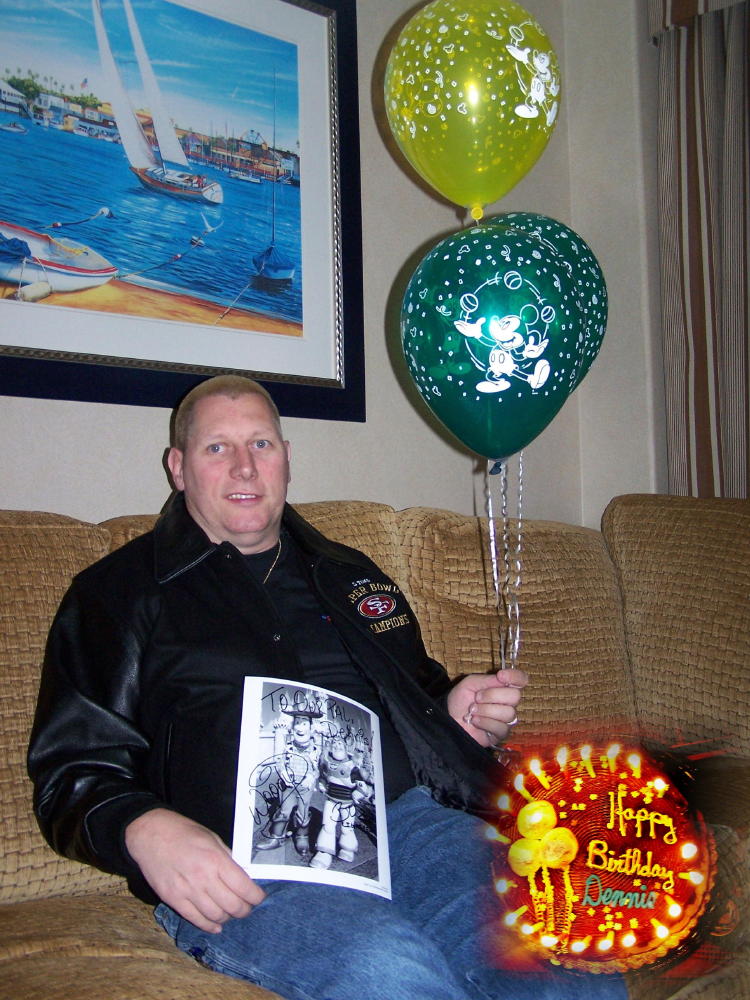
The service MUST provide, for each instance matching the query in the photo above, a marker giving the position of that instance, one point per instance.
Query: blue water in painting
(49, 175)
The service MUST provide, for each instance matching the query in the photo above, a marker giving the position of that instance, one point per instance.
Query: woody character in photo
(297, 752)
(602, 865)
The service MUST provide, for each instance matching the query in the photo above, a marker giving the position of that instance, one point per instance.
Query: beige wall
(95, 460)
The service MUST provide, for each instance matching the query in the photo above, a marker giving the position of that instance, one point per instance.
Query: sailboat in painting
(271, 264)
(161, 167)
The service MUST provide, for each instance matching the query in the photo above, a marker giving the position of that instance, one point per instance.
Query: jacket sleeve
(434, 680)
(87, 756)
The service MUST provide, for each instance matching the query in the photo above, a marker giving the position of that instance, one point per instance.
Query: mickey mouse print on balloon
(515, 343)
(537, 78)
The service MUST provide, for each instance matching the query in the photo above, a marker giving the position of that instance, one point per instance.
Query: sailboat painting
(186, 154)
(154, 166)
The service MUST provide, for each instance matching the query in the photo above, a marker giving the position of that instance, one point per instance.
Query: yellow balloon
(536, 819)
(558, 847)
(523, 856)
(472, 94)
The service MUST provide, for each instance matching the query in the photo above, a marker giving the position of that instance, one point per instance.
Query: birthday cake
(605, 867)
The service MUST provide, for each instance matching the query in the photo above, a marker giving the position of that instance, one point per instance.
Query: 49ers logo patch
(376, 606)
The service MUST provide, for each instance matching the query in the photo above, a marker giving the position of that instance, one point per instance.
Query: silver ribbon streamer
(507, 589)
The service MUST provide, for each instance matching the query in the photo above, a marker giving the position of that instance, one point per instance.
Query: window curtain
(704, 226)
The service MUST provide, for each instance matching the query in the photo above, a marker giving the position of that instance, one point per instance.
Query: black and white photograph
(310, 804)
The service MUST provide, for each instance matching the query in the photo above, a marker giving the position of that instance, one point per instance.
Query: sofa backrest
(572, 635)
(684, 569)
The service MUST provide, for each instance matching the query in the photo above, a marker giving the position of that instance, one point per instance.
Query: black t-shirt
(324, 658)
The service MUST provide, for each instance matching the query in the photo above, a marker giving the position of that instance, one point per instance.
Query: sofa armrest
(722, 791)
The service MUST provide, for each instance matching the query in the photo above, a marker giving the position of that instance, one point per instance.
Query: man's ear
(288, 447)
(174, 461)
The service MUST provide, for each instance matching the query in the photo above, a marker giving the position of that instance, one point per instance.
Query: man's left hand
(485, 704)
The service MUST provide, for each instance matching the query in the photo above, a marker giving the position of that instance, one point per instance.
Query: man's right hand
(191, 869)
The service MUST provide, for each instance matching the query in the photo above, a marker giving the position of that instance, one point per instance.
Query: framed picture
(181, 199)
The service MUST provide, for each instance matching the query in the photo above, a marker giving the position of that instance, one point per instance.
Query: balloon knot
(477, 213)
(497, 467)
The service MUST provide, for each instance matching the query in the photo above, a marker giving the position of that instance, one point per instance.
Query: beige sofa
(643, 628)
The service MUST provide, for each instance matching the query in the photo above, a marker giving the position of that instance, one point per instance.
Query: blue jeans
(316, 942)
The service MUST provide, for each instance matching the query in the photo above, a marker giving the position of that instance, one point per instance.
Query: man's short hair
(231, 386)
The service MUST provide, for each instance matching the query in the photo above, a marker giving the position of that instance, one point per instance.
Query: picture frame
(92, 354)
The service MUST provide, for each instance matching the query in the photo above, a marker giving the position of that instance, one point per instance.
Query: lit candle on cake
(578, 946)
(491, 833)
(536, 769)
(606, 943)
(612, 753)
(695, 877)
(519, 787)
(586, 758)
(634, 761)
(512, 918)
(503, 802)
(673, 907)
(661, 930)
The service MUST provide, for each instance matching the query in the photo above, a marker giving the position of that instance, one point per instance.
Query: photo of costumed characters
(297, 768)
(346, 785)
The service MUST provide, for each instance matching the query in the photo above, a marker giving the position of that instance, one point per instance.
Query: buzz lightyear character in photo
(499, 324)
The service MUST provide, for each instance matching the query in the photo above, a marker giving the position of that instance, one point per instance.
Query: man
(134, 747)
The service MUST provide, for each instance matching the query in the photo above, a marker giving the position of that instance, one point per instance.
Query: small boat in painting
(161, 165)
(27, 256)
(16, 127)
(243, 175)
(273, 265)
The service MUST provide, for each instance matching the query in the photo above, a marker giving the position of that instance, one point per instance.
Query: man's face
(234, 471)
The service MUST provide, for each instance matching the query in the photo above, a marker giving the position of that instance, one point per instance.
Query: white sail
(136, 145)
(166, 137)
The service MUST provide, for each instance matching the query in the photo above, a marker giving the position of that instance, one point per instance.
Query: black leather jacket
(141, 691)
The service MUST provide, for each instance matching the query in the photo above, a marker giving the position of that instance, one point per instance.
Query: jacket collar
(180, 544)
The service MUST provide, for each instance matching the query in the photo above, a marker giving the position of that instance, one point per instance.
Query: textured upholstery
(100, 948)
(641, 628)
(39, 555)
(684, 569)
(571, 619)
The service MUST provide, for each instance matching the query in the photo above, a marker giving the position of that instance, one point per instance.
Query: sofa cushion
(370, 527)
(92, 947)
(127, 527)
(572, 639)
(684, 567)
(39, 554)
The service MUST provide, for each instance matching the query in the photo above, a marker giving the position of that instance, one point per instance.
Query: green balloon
(591, 288)
(493, 335)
